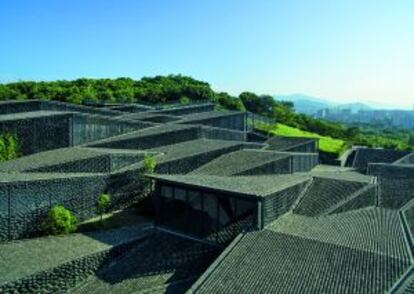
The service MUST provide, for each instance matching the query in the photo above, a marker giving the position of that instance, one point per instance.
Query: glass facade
(214, 217)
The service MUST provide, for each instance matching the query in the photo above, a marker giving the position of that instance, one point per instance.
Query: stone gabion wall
(390, 170)
(409, 159)
(98, 164)
(183, 110)
(23, 205)
(7, 107)
(64, 130)
(68, 275)
(395, 192)
(293, 163)
(304, 163)
(222, 134)
(89, 128)
(160, 119)
(232, 121)
(395, 184)
(188, 164)
(133, 108)
(40, 134)
(62, 106)
(364, 156)
(152, 141)
(281, 202)
(119, 161)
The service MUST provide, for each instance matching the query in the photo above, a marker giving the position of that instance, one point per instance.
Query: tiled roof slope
(271, 262)
(286, 143)
(239, 161)
(370, 229)
(254, 186)
(325, 193)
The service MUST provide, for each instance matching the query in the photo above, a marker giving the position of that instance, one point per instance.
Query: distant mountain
(306, 104)
(310, 105)
(354, 107)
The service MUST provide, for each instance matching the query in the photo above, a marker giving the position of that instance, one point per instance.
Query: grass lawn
(326, 144)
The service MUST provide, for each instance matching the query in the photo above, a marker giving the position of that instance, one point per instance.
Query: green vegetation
(326, 144)
(384, 136)
(9, 147)
(102, 204)
(60, 221)
(159, 89)
(150, 164)
(183, 89)
(185, 100)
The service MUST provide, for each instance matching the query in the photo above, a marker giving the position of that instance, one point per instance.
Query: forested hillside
(173, 88)
(158, 89)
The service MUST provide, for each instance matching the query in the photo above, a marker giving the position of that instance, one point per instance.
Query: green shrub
(150, 164)
(102, 204)
(60, 221)
(9, 147)
(185, 100)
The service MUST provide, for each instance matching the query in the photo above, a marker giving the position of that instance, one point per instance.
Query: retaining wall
(40, 133)
(395, 184)
(234, 121)
(222, 134)
(7, 107)
(24, 204)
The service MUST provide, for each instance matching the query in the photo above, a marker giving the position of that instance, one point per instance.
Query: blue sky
(350, 50)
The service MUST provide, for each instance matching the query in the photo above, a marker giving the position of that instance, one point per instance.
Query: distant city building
(398, 118)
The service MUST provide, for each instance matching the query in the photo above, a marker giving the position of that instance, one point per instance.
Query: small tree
(102, 204)
(150, 164)
(9, 147)
(60, 221)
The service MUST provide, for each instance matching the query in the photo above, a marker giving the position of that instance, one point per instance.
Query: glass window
(179, 194)
(194, 199)
(166, 191)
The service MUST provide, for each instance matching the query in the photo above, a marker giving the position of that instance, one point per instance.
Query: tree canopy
(184, 89)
